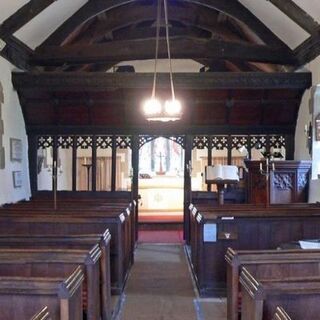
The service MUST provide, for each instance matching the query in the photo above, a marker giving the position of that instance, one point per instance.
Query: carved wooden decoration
(283, 181)
(303, 179)
(2, 154)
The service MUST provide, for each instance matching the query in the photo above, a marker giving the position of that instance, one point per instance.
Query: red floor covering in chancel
(160, 236)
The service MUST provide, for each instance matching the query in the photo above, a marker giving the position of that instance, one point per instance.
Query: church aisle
(160, 288)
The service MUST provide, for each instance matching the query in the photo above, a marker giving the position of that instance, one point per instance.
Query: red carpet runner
(163, 236)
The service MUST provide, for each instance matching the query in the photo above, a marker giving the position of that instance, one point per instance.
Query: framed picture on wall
(317, 127)
(15, 150)
(17, 179)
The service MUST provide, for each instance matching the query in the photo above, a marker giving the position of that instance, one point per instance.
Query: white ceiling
(287, 30)
(38, 29)
(179, 65)
(44, 24)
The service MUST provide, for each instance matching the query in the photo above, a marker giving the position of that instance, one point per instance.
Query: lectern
(221, 175)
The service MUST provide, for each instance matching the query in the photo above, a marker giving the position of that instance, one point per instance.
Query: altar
(161, 196)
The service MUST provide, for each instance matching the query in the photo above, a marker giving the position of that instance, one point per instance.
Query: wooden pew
(63, 223)
(43, 314)
(57, 263)
(281, 314)
(242, 229)
(68, 202)
(266, 264)
(21, 297)
(86, 242)
(260, 298)
(86, 209)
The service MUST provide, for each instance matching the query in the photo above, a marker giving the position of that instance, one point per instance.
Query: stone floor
(160, 287)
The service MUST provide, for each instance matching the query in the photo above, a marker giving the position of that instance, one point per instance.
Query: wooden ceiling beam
(308, 50)
(231, 8)
(76, 82)
(182, 48)
(35, 102)
(23, 16)
(173, 128)
(17, 53)
(297, 14)
(150, 33)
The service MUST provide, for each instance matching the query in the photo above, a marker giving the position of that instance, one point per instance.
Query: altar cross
(160, 172)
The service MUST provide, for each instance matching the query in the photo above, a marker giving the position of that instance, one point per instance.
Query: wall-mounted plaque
(317, 127)
(17, 179)
(15, 150)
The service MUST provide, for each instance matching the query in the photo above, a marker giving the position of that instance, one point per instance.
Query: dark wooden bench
(58, 263)
(21, 297)
(281, 314)
(71, 242)
(266, 264)
(243, 229)
(75, 224)
(83, 209)
(260, 298)
(85, 204)
(43, 314)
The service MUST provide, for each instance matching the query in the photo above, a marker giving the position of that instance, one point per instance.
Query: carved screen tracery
(2, 155)
(45, 162)
(104, 163)
(64, 169)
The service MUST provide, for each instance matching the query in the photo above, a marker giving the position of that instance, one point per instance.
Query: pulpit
(288, 183)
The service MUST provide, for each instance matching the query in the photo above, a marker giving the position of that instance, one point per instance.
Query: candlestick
(260, 166)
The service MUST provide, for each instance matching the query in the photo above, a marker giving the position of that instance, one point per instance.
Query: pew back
(21, 297)
(299, 296)
(56, 263)
(71, 242)
(267, 264)
(281, 314)
(43, 314)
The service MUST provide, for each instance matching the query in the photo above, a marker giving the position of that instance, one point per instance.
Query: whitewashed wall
(309, 108)
(13, 128)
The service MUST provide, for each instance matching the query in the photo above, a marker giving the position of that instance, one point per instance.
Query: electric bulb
(172, 107)
(152, 106)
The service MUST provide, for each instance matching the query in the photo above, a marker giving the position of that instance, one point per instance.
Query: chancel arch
(161, 178)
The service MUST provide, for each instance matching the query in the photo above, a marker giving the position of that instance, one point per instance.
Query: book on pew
(222, 172)
(310, 244)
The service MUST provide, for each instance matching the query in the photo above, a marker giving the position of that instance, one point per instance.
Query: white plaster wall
(13, 128)
(309, 108)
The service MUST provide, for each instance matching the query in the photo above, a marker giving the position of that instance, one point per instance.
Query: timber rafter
(181, 47)
(299, 16)
(231, 8)
(21, 17)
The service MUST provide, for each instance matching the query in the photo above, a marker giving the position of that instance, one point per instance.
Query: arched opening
(161, 183)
